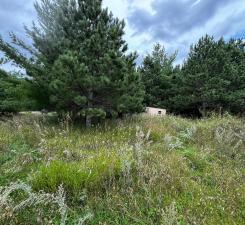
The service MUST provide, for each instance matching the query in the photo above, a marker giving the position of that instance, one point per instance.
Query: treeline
(212, 79)
(17, 94)
(79, 64)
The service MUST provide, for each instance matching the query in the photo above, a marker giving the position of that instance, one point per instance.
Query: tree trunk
(90, 104)
(203, 110)
(88, 121)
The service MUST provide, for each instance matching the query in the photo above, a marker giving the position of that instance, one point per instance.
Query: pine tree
(212, 78)
(235, 96)
(79, 59)
(157, 73)
(15, 94)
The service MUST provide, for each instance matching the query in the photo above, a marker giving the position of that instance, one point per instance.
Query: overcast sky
(174, 23)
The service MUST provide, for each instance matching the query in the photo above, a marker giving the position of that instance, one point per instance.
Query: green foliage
(16, 94)
(79, 59)
(58, 173)
(157, 73)
(95, 112)
(196, 162)
(8, 102)
(79, 65)
(79, 100)
(212, 78)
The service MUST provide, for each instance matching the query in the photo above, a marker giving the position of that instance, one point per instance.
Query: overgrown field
(137, 171)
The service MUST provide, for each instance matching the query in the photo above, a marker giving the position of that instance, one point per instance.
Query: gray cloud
(179, 23)
(13, 15)
(174, 17)
(175, 23)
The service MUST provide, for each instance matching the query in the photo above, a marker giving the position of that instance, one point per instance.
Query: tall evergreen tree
(235, 96)
(157, 73)
(7, 103)
(212, 78)
(15, 94)
(79, 58)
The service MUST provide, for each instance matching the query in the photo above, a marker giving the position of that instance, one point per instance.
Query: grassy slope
(138, 171)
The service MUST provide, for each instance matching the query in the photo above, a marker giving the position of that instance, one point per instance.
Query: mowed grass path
(139, 170)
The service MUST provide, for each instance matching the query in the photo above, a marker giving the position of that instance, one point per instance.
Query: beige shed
(156, 111)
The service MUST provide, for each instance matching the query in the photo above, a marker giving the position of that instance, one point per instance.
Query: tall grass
(139, 170)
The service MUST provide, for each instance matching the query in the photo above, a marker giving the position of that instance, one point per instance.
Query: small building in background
(156, 111)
